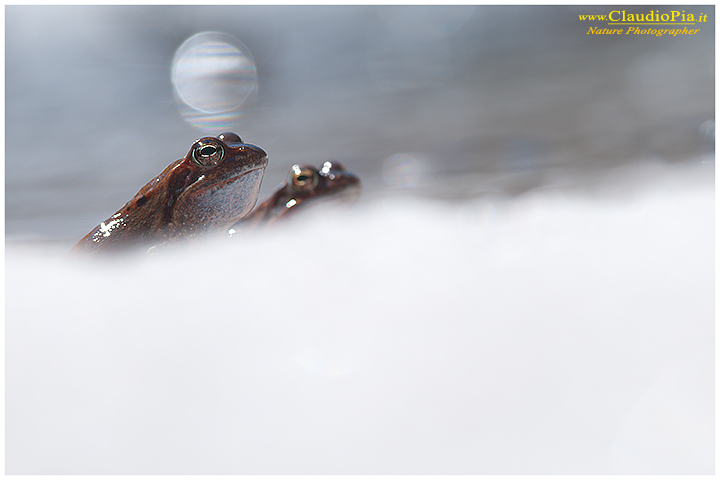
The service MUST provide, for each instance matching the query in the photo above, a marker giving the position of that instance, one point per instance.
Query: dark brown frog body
(211, 188)
(305, 185)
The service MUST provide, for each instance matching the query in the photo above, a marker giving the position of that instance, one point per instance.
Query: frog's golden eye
(303, 178)
(208, 152)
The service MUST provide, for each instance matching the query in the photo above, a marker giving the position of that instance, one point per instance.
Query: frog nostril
(230, 137)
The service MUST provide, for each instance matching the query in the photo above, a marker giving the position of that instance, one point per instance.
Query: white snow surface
(558, 332)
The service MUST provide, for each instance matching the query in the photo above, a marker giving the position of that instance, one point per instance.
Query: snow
(557, 332)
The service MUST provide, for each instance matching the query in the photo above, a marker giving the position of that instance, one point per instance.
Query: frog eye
(303, 178)
(208, 152)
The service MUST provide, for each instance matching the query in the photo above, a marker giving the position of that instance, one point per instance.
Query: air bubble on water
(214, 78)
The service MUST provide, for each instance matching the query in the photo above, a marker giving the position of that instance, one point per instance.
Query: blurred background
(431, 101)
(525, 286)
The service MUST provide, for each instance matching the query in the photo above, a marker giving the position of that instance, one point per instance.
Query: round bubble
(214, 77)
(401, 170)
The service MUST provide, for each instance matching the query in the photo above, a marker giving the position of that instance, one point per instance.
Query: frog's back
(145, 217)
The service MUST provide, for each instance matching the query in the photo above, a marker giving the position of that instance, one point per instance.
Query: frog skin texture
(211, 188)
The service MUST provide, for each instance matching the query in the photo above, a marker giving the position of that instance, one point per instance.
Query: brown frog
(215, 185)
(304, 185)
